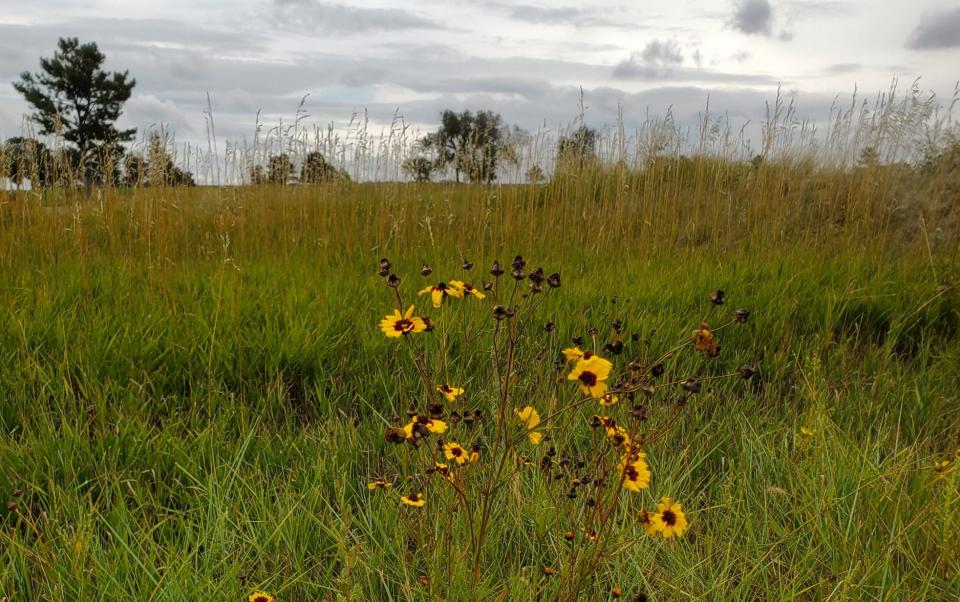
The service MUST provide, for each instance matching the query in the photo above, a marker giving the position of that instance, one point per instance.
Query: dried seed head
(578, 341)
(716, 297)
(393, 281)
(487, 285)
(518, 274)
(496, 269)
(467, 265)
(436, 409)
(742, 315)
(537, 276)
(384, 272)
(691, 385)
(518, 262)
(617, 326)
(536, 288)
(616, 347)
(395, 435)
(385, 264)
(549, 326)
(411, 410)
(425, 270)
(657, 371)
(648, 389)
(499, 312)
(746, 372)
(593, 331)
(428, 324)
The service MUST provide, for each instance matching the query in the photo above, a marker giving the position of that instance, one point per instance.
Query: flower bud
(746, 372)
(518, 262)
(425, 270)
(518, 274)
(385, 264)
(487, 285)
(467, 265)
(537, 276)
(499, 312)
(393, 281)
(554, 280)
(742, 315)
(716, 297)
(496, 270)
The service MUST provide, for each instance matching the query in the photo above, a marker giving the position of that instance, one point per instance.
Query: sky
(529, 60)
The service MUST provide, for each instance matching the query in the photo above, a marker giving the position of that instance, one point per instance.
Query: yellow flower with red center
(260, 597)
(455, 452)
(705, 341)
(646, 519)
(467, 289)
(590, 373)
(396, 325)
(451, 393)
(530, 418)
(432, 425)
(636, 473)
(669, 519)
(609, 399)
(379, 484)
(413, 499)
(440, 291)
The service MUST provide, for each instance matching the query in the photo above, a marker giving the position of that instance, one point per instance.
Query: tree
(470, 143)
(578, 148)
(279, 169)
(535, 174)
(74, 97)
(316, 169)
(420, 169)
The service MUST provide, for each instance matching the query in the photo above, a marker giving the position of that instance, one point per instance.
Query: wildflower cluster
(470, 431)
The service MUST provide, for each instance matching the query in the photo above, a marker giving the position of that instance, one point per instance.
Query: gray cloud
(937, 31)
(565, 15)
(318, 16)
(753, 17)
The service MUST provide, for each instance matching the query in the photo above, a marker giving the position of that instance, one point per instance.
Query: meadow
(194, 389)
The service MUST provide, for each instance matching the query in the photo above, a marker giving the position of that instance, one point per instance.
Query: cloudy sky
(526, 59)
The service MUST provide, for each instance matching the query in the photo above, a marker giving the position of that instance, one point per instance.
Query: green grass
(186, 418)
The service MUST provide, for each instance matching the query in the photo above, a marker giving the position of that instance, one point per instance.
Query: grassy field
(194, 389)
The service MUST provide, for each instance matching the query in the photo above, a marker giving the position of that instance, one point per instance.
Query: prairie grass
(193, 389)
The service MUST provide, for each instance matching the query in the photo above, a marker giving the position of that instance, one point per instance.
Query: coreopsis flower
(432, 425)
(379, 484)
(444, 471)
(530, 418)
(618, 436)
(941, 469)
(451, 393)
(636, 473)
(259, 597)
(806, 432)
(467, 289)
(705, 341)
(396, 325)
(455, 452)
(441, 290)
(413, 499)
(574, 353)
(646, 519)
(609, 399)
(590, 373)
(669, 519)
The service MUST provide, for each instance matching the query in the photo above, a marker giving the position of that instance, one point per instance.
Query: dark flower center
(413, 497)
(456, 452)
(632, 473)
(587, 355)
(261, 599)
(669, 518)
(588, 378)
(403, 325)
